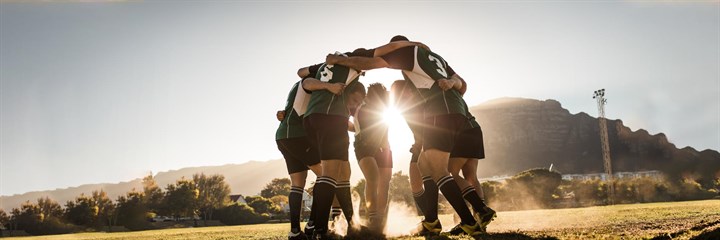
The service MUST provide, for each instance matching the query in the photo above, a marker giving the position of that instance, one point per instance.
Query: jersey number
(326, 74)
(441, 68)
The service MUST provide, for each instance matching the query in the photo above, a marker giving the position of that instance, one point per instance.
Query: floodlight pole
(599, 95)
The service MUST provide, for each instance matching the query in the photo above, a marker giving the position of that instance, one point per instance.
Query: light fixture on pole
(599, 95)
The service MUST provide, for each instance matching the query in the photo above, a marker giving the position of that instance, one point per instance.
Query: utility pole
(599, 95)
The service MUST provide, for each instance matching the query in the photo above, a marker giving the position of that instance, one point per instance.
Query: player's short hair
(397, 87)
(361, 52)
(399, 38)
(376, 91)
(355, 87)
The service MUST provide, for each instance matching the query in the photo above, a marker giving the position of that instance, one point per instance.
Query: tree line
(207, 198)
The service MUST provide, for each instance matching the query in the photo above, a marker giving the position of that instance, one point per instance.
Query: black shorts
(298, 154)
(469, 144)
(442, 130)
(329, 135)
(383, 156)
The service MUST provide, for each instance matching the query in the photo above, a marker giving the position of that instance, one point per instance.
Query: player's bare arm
(312, 84)
(303, 72)
(459, 84)
(384, 49)
(359, 63)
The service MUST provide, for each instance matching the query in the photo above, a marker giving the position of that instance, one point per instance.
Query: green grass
(676, 220)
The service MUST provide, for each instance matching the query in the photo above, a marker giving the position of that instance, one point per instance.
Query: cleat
(485, 218)
(326, 236)
(309, 228)
(299, 235)
(428, 228)
(464, 229)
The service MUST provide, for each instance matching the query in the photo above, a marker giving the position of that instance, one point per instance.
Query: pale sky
(95, 92)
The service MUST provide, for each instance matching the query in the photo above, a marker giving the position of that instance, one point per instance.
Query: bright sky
(104, 92)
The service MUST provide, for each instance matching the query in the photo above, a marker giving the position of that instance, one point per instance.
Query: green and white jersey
(412, 112)
(292, 125)
(423, 68)
(472, 122)
(324, 101)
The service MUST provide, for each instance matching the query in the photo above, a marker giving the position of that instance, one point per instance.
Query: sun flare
(400, 136)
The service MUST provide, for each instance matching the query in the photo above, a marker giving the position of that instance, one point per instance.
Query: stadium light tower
(599, 95)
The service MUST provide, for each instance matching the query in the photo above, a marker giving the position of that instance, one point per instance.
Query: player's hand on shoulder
(445, 84)
(336, 88)
(280, 115)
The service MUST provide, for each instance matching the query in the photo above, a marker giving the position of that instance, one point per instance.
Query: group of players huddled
(313, 134)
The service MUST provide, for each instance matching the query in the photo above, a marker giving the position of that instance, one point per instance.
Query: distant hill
(526, 133)
(247, 179)
(519, 134)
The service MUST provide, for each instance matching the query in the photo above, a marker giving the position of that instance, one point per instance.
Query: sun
(400, 136)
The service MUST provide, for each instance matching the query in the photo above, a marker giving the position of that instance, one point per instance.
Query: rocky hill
(526, 133)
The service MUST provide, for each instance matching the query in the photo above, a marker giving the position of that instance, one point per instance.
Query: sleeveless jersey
(325, 102)
(370, 128)
(425, 69)
(292, 125)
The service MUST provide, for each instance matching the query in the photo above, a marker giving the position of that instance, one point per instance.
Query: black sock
(345, 200)
(295, 202)
(452, 193)
(471, 196)
(335, 212)
(420, 201)
(431, 199)
(324, 192)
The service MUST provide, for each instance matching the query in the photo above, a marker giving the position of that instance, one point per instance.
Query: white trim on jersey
(356, 122)
(302, 99)
(417, 76)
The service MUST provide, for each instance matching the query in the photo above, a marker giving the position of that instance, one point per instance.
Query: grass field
(676, 220)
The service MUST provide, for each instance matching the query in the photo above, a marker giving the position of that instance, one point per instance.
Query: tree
(278, 186)
(131, 211)
(235, 214)
(83, 211)
(214, 192)
(106, 209)
(4, 220)
(49, 208)
(33, 218)
(181, 198)
(152, 194)
(400, 189)
(360, 189)
(534, 188)
(261, 205)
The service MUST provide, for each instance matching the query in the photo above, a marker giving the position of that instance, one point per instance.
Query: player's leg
(297, 182)
(416, 182)
(343, 193)
(469, 172)
(333, 143)
(369, 168)
(454, 166)
(486, 214)
(384, 162)
(290, 149)
(439, 141)
(383, 195)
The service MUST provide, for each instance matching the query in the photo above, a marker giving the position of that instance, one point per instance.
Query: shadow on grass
(706, 234)
(495, 236)
(514, 236)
